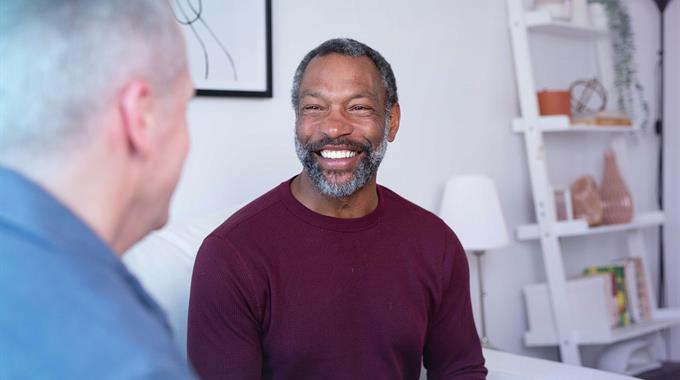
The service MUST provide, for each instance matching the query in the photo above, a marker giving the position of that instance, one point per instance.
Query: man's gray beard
(367, 168)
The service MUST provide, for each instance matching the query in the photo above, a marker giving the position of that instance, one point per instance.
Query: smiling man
(329, 275)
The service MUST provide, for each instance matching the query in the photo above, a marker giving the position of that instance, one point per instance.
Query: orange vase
(616, 200)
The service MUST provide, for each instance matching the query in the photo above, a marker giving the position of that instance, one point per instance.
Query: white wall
(672, 160)
(453, 65)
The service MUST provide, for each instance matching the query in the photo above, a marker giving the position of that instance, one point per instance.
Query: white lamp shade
(471, 208)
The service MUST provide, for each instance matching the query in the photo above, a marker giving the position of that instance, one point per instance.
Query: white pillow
(163, 263)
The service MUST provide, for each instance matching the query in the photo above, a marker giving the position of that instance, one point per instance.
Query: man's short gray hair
(351, 48)
(63, 60)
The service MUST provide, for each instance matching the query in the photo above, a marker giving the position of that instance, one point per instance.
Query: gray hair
(62, 60)
(351, 48)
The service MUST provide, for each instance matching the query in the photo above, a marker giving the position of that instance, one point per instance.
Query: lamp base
(482, 294)
(486, 343)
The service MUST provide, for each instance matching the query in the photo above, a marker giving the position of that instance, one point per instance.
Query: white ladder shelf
(547, 229)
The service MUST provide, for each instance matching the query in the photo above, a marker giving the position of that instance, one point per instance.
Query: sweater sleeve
(452, 349)
(224, 328)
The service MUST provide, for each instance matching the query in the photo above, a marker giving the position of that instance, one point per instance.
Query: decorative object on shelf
(563, 209)
(470, 206)
(554, 103)
(587, 96)
(617, 204)
(560, 9)
(586, 201)
(579, 12)
(588, 103)
(630, 91)
(604, 119)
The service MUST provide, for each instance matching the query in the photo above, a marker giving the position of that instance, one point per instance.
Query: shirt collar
(327, 222)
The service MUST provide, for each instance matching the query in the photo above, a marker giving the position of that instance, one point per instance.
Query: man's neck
(96, 202)
(359, 204)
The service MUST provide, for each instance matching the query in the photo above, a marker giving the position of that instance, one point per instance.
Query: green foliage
(623, 47)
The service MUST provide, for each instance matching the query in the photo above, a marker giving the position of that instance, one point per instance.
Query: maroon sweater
(280, 292)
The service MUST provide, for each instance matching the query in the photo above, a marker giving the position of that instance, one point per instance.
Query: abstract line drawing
(190, 15)
(228, 45)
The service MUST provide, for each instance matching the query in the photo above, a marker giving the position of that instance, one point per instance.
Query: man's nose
(336, 124)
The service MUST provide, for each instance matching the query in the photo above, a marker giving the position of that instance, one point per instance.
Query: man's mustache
(341, 141)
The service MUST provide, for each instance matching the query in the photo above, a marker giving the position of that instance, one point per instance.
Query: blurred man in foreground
(93, 136)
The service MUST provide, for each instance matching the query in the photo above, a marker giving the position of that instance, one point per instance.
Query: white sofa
(163, 263)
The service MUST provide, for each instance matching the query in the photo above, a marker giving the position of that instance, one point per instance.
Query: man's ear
(135, 106)
(394, 122)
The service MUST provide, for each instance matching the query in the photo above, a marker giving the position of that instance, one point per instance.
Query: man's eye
(360, 107)
(311, 107)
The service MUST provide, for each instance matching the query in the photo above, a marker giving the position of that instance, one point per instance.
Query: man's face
(172, 146)
(341, 132)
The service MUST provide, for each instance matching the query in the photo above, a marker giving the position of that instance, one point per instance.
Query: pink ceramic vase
(616, 200)
(586, 201)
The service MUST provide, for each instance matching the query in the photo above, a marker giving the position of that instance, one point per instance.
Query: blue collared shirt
(69, 309)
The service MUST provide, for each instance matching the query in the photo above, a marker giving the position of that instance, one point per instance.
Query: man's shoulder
(260, 209)
(68, 344)
(396, 205)
(70, 318)
(39, 276)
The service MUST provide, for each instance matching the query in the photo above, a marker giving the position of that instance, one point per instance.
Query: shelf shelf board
(561, 123)
(579, 227)
(535, 338)
(542, 21)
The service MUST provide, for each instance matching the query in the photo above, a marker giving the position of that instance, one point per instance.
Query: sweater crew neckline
(329, 222)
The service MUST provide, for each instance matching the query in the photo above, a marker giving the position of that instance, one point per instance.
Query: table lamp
(470, 206)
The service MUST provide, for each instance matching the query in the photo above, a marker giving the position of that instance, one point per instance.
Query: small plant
(630, 91)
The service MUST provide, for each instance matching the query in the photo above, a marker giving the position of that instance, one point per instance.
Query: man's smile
(337, 154)
(339, 158)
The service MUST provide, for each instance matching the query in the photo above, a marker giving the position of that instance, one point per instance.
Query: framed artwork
(229, 45)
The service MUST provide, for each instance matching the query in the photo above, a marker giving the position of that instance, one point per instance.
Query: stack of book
(629, 301)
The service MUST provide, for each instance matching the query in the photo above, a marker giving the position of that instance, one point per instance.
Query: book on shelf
(632, 296)
(642, 291)
(629, 289)
(637, 293)
(617, 271)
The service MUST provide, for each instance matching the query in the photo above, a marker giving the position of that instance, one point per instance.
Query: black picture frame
(225, 40)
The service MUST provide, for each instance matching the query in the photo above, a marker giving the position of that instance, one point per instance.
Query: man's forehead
(354, 95)
(336, 69)
(336, 61)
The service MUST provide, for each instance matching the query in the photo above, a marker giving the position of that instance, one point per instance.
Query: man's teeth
(336, 154)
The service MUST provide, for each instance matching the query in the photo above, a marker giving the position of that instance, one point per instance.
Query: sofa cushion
(163, 263)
